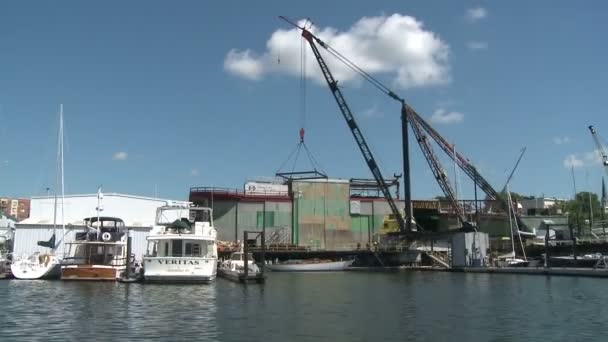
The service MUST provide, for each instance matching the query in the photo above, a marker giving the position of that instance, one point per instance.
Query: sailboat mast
(62, 179)
(510, 207)
(57, 175)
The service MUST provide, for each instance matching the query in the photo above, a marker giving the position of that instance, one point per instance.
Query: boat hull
(90, 272)
(312, 267)
(28, 269)
(179, 269)
(239, 276)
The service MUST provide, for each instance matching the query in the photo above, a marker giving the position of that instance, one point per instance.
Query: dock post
(128, 271)
(263, 251)
(547, 247)
(246, 256)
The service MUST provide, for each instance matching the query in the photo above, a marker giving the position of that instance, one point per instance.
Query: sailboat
(46, 265)
(511, 259)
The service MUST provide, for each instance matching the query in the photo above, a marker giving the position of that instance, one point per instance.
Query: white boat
(310, 266)
(98, 253)
(234, 269)
(45, 265)
(510, 259)
(6, 239)
(182, 246)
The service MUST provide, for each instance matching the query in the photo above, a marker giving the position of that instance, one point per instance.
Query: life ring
(106, 236)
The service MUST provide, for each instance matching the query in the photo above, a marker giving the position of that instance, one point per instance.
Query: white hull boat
(182, 246)
(311, 266)
(45, 265)
(179, 269)
(234, 269)
(36, 266)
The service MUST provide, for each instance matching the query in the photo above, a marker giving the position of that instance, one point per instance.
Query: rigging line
(358, 69)
(302, 109)
(288, 158)
(295, 161)
(312, 159)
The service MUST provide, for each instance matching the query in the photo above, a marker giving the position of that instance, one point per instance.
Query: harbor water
(341, 306)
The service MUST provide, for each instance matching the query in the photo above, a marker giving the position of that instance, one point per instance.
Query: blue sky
(150, 79)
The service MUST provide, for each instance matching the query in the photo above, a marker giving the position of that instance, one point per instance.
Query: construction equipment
(352, 124)
(601, 150)
(420, 128)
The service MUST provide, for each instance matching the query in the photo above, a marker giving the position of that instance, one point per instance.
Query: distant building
(18, 208)
(137, 212)
(541, 206)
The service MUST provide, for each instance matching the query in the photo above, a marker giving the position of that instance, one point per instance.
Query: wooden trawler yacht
(182, 246)
(99, 253)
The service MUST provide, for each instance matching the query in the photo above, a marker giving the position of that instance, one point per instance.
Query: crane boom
(462, 162)
(352, 125)
(436, 168)
(601, 150)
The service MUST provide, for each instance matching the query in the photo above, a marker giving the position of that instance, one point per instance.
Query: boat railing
(98, 260)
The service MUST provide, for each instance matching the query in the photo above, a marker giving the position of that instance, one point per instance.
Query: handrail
(221, 190)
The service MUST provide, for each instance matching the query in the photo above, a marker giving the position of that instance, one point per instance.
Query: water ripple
(310, 307)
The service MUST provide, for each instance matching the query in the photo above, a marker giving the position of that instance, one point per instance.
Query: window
(192, 249)
(176, 248)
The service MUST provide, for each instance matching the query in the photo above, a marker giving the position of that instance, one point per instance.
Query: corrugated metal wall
(231, 218)
(224, 219)
(323, 217)
(250, 218)
(28, 235)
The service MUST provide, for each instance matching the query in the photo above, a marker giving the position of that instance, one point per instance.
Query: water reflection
(310, 307)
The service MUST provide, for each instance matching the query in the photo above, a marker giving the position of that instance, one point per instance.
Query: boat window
(196, 249)
(152, 248)
(236, 256)
(202, 216)
(192, 249)
(176, 248)
(166, 250)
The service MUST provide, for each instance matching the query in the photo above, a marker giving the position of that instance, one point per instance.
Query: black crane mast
(353, 126)
(420, 128)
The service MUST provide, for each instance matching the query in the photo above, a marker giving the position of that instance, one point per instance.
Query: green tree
(514, 196)
(581, 206)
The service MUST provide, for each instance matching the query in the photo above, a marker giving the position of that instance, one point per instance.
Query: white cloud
(587, 159)
(573, 161)
(593, 158)
(441, 116)
(561, 140)
(194, 172)
(476, 14)
(244, 64)
(397, 45)
(120, 156)
(372, 113)
(477, 45)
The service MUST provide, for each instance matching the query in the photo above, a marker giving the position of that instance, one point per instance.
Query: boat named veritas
(182, 246)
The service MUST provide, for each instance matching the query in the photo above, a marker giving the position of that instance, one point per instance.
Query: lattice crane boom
(352, 124)
(438, 171)
(601, 149)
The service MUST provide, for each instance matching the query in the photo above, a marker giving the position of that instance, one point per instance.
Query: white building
(137, 212)
(538, 205)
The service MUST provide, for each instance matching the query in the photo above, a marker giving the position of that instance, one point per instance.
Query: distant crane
(601, 150)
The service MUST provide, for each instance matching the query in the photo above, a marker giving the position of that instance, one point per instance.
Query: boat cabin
(181, 248)
(104, 243)
(183, 232)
